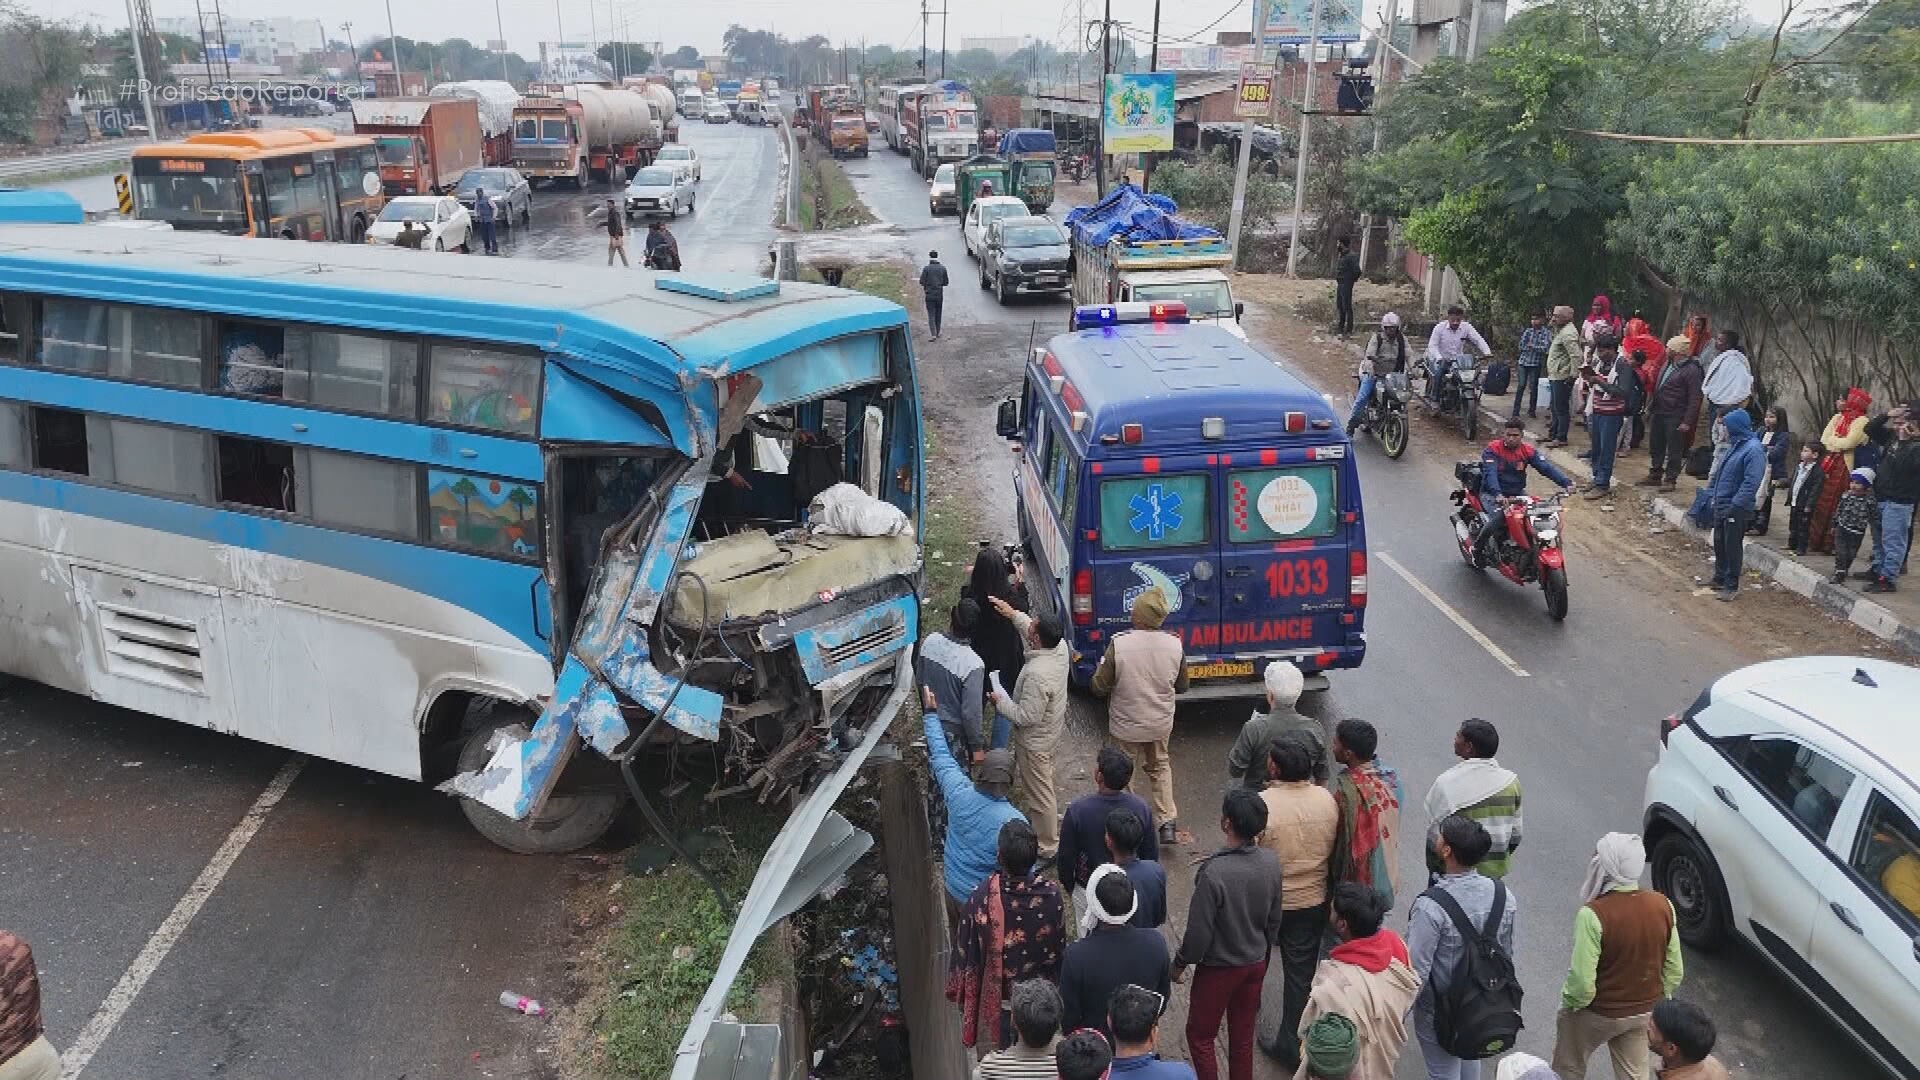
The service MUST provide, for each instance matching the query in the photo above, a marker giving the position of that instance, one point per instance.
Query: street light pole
(140, 72)
(1300, 166)
(393, 42)
(1100, 102)
(500, 27)
(1245, 164)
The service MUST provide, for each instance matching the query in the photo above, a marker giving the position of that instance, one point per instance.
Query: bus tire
(568, 822)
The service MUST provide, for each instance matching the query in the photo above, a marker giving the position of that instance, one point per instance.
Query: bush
(1204, 192)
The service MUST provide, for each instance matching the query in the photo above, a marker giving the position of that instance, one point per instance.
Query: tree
(625, 57)
(521, 502)
(40, 59)
(686, 56)
(465, 489)
(1203, 190)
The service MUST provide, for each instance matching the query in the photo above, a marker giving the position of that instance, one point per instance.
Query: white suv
(1783, 809)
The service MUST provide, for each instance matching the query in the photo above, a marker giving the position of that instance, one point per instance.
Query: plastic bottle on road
(522, 1004)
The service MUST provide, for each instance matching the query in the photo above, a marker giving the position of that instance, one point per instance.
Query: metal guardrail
(78, 159)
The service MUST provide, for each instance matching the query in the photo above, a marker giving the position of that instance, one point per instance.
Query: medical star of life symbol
(1156, 512)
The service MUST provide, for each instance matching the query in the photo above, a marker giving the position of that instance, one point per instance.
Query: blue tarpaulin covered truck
(1029, 153)
(1133, 246)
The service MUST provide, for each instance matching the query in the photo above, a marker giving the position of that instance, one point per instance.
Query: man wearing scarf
(1673, 408)
(1368, 981)
(1626, 960)
(1114, 953)
(1728, 385)
(1367, 848)
(1478, 788)
(1012, 930)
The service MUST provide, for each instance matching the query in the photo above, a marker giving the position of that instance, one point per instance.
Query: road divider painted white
(120, 999)
(1459, 620)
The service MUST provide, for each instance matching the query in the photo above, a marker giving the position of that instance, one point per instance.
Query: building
(256, 41)
(1000, 47)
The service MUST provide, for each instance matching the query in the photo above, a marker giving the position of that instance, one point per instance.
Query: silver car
(658, 191)
(941, 194)
(507, 190)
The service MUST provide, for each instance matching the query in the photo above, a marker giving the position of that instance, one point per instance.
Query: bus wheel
(573, 817)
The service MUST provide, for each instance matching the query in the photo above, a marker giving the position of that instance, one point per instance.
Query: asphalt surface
(1579, 726)
(363, 931)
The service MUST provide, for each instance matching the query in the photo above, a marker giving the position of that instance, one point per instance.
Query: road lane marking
(108, 1016)
(1459, 620)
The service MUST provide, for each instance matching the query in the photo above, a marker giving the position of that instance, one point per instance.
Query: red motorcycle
(1527, 550)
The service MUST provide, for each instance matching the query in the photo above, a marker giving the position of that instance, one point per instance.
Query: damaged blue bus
(488, 524)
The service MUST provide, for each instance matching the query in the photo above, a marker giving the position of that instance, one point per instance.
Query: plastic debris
(520, 1004)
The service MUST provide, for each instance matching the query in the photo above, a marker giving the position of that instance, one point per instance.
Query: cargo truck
(581, 135)
(847, 132)
(1126, 248)
(426, 144)
(496, 100)
(941, 124)
(1030, 154)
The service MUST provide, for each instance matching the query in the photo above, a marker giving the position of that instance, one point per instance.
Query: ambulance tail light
(1132, 434)
(1082, 598)
(1357, 579)
(1296, 423)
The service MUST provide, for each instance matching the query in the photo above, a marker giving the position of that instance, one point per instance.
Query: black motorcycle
(1458, 392)
(1385, 415)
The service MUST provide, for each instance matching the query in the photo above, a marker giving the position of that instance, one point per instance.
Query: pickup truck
(1191, 271)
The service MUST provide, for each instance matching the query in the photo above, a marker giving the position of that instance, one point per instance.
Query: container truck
(942, 124)
(497, 100)
(581, 135)
(426, 144)
(1129, 248)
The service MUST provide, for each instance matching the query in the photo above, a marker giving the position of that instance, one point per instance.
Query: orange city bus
(296, 183)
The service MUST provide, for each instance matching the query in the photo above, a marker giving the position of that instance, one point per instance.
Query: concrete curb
(1784, 570)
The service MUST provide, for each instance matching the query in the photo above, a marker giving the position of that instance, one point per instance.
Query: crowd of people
(1063, 957)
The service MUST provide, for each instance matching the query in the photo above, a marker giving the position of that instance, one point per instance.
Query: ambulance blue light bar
(1092, 316)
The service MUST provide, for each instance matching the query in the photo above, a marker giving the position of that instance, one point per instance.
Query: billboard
(1136, 114)
(1290, 21)
(1255, 100)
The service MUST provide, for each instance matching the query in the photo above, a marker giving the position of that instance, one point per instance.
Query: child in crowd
(1803, 490)
(1851, 520)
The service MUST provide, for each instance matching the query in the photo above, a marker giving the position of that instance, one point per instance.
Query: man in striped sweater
(1479, 789)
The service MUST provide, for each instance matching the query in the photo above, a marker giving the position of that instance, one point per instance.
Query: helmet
(1389, 319)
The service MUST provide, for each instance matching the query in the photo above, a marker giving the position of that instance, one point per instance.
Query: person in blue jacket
(1503, 474)
(1731, 493)
(976, 808)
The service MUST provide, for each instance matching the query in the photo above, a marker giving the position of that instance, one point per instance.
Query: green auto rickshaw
(981, 174)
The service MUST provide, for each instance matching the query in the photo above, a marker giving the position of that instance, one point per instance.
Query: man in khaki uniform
(1140, 675)
(1038, 712)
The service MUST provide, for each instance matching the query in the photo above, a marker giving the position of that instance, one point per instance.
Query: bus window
(13, 323)
(484, 514)
(59, 440)
(484, 388)
(293, 193)
(191, 200)
(1298, 503)
(344, 371)
(1139, 513)
(13, 436)
(347, 491)
(143, 344)
(165, 460)
(351, 168)
(257, 473)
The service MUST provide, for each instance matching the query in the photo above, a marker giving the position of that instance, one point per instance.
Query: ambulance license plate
(1221, 669)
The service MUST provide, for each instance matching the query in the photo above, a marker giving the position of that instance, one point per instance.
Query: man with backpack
(1626, 960)
(1460, 935)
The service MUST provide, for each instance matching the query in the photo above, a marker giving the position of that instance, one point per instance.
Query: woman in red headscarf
(1653, 357)
(1844, 433)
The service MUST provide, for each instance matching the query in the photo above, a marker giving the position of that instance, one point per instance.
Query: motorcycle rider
(1386, 354)
(1503, 475)
(663, 251)
(1448, 343)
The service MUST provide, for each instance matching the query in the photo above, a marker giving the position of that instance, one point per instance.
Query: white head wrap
(1617, 862)
(1522, 1067)
(1096, 913)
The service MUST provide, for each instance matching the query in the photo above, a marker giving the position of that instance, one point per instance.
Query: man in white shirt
(1447, 343)
(1728, 385)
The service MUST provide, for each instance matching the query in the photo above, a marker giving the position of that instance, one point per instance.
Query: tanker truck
(664, 108)
(582, 133)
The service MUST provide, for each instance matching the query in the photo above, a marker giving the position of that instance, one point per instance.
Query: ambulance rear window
(1296, 503)
(1139, 513)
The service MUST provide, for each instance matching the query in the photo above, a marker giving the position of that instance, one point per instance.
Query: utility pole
(500, 27)
(943, 39)
(1100, 102)
(1379, 98)
(1300, 166)
(559, 42)
(393, 42)
(1153, 64)
(923, 39)
(1238, 214)
(593, 37)
(137, 37)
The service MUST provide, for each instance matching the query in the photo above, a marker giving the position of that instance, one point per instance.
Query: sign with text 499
(1255, 101)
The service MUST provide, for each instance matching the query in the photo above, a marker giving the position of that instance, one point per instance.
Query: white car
(1784, 810)
(658, 190)
(718, 113)
(985, 212)
(448, 225)
(683, 158)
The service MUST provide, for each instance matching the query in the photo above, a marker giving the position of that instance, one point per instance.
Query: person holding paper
(1037, 710)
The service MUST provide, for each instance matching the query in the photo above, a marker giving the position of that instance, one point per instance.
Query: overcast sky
(701, 23)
